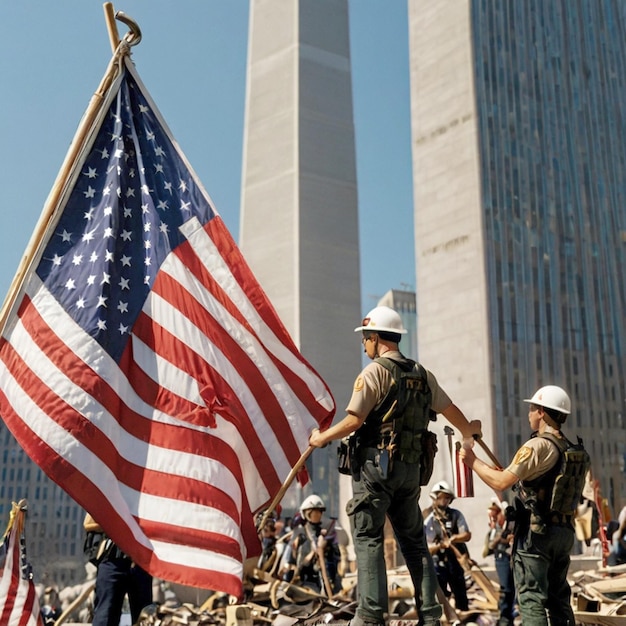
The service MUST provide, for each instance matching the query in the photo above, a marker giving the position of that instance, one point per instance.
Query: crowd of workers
(389, 457)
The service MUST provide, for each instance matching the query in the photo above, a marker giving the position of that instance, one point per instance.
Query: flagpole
(109, 16)
(281, 492)
(82, 134)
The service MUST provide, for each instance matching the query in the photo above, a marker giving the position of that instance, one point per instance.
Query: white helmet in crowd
(312, 502)
(552, 397)
(382, 319)
(441, 487)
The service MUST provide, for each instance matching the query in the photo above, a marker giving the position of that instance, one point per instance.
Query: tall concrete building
(405, 304)
(519, 157)
(299, 225)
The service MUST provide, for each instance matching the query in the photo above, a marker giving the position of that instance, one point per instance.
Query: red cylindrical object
(464, 477)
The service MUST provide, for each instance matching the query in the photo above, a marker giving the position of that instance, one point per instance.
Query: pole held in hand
(488, 452)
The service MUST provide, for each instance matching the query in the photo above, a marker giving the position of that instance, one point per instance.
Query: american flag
(19, 605)
(143, 368)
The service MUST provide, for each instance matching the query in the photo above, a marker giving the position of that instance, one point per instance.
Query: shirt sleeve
(440, 400)
(429, 529)
(367, 391)
(534, 458)
(461, 523)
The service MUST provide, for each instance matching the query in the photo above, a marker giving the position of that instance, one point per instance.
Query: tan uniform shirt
(534, 458)
(373, 383)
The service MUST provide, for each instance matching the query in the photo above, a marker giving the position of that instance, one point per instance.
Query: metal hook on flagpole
(133, 37)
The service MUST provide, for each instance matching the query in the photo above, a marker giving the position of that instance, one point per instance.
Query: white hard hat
(382, 319)
(552, 397)
(441, 487)
(494, 503)
(312, 502)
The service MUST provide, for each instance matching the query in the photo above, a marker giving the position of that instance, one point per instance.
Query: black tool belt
(559, 519)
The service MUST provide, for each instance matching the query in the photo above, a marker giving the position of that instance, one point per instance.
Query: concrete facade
(299, 222)
(518, 161)
(451, 290)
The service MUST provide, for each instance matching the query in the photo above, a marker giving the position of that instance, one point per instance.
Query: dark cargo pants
(540, 564)
(396, 495)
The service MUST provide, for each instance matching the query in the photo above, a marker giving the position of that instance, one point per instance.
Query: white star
(124, 283)
(128, 212)
(147, 244)
(94, 257)
(159, 151)
(80, 303)
(66, 236)
(77, 259)
(90, 193)
(126, 260)
(150, 135)
(56, 260)
(158, 168)
(70, 284)
(102, 325)
(91, 172)
(126, 235)
(108, 210)
(130, 192)
(146, 280)
(168, 187)
(89, 214)
(107, 190)
(89, 236)
(164, 228)
(146, 227)
(145, 190)
(184, 206)
(102, 301)
(143, 108)
(145, 208)
(106, 278)
(123, 329)
(162, 205)
(108, 256)
(108, 232)
(147, 261)
(105, 153)
(122, 307)
(183, 185)
(91, 279)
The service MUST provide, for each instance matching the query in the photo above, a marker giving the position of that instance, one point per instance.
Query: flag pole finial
(132, 38)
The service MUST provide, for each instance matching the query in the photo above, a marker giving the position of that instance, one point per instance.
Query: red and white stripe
(19, 605)
(176, 447)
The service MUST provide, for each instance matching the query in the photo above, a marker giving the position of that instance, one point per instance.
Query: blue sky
(192, 59)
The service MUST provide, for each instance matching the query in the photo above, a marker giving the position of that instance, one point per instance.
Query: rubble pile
(598, 597)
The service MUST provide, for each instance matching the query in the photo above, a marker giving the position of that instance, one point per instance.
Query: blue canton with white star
(120, 222)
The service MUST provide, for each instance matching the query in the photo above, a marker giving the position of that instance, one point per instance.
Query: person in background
(116, 577)
(447, 533)
(499, 543)
(387, 420)
(617, 554)
(313, 556)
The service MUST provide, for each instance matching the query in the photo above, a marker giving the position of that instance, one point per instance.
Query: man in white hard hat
(392, 401)
(447, 533)
(544, 536)
(313, 555)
